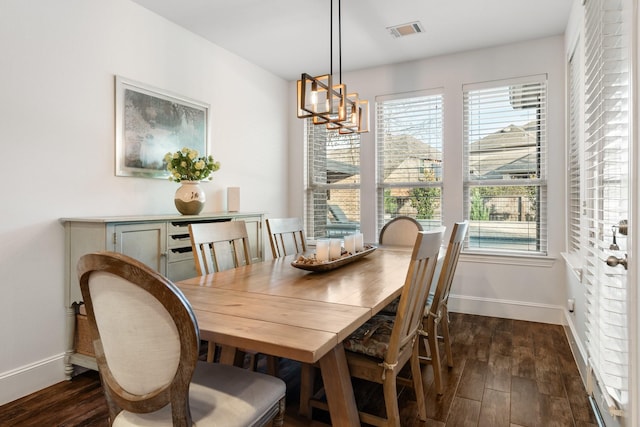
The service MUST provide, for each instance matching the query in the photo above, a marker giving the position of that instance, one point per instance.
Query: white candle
(359, 238)
(350, 243)
(335, 248)
(322, 250)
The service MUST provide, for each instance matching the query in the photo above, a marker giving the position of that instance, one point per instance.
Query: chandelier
(328, 103)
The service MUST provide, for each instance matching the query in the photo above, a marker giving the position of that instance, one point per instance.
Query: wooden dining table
(274, 308)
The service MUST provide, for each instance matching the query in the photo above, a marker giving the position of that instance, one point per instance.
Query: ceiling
(288, 37)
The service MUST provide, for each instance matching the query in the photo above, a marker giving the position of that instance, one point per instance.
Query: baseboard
(508, 309)
(31, 378)
(577, 347)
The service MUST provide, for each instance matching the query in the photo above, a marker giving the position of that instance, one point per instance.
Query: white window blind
(607, 138)
(505, 140)
(333, 182)
(573, 151)
(409, 156)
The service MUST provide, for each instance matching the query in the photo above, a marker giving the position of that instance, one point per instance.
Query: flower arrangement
(185, 165)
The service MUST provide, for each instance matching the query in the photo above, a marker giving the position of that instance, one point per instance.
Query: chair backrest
(414, 292)
(219, 246)
(286, 236)
(144, 332)
(441, 297)
(400, 231)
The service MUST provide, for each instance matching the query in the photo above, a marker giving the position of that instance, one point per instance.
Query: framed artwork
(151, 123)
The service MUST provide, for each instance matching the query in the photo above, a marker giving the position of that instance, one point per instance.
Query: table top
(274, 308)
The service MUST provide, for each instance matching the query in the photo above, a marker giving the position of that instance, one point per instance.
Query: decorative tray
(310, 263)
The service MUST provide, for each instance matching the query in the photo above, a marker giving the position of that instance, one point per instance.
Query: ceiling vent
(406, 29)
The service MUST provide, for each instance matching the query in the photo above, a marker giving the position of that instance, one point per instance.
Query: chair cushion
(220, 395)
(372, 338)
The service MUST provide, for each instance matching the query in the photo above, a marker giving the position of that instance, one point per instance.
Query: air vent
(406, 29)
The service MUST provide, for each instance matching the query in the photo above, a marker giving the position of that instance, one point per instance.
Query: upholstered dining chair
(400, 231)
(380, 348)
(146, 340)
(436, 313)
(286, 236)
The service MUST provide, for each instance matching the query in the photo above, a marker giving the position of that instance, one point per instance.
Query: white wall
(59, 59)
(506, 287)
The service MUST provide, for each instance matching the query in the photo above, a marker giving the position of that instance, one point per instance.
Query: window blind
(409, 155)
(573, 152)
(607, 138)
(333, 182)
(505, 128)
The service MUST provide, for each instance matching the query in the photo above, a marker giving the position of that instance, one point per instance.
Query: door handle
(613, 261)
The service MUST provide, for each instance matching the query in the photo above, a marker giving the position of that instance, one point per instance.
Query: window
(333, 182)
(409, 146)
(504, 165)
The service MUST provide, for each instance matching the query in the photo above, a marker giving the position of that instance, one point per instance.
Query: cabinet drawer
(182, 226)
(177, 240)
(180, 253)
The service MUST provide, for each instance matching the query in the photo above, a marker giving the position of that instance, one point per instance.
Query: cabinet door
(145, 242)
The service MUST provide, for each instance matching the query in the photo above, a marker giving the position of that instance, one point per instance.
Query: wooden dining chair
(379, 349)
(436, 313)
(219, 246)
(400, 231)
(286, 236)
(146, 341)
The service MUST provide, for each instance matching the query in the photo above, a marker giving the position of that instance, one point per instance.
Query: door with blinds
(606, 207)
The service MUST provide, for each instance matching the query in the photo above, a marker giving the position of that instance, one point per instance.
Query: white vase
(189, 198)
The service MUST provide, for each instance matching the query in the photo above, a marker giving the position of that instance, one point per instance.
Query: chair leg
(432, 338)
(391, 400)
(445, 335)
(278, 420)
(211, 351)
(416, 375)
(272, 365)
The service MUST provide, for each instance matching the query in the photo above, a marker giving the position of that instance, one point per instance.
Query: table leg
(338, 389)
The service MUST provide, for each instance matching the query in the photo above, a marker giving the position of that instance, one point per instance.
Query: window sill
(574, 263)
(508, 259)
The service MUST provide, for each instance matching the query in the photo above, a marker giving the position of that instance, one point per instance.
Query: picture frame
(150, 123)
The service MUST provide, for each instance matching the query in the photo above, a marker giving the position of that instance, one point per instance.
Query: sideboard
(160, 241)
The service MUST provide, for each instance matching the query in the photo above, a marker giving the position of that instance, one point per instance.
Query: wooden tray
(332, 265)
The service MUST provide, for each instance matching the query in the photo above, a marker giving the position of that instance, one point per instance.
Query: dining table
(274, 308)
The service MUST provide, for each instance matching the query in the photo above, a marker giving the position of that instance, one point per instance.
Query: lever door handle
(613, 261)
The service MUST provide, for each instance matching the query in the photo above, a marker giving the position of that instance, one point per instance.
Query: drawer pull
(181, 250)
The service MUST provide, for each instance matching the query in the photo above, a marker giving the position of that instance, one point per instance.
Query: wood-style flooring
(507, 373)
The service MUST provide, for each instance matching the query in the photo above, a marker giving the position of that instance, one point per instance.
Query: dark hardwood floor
(507, 373)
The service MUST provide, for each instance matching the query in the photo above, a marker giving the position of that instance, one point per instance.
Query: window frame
(540, 181)
(433, 98)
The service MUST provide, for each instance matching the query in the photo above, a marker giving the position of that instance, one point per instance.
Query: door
(144, 242)
(607, 209)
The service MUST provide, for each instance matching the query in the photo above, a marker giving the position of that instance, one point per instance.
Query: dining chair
(400, 231)
(146, 342)
(436, 312)
(379, 349)
(286, 236)
(219, 246)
